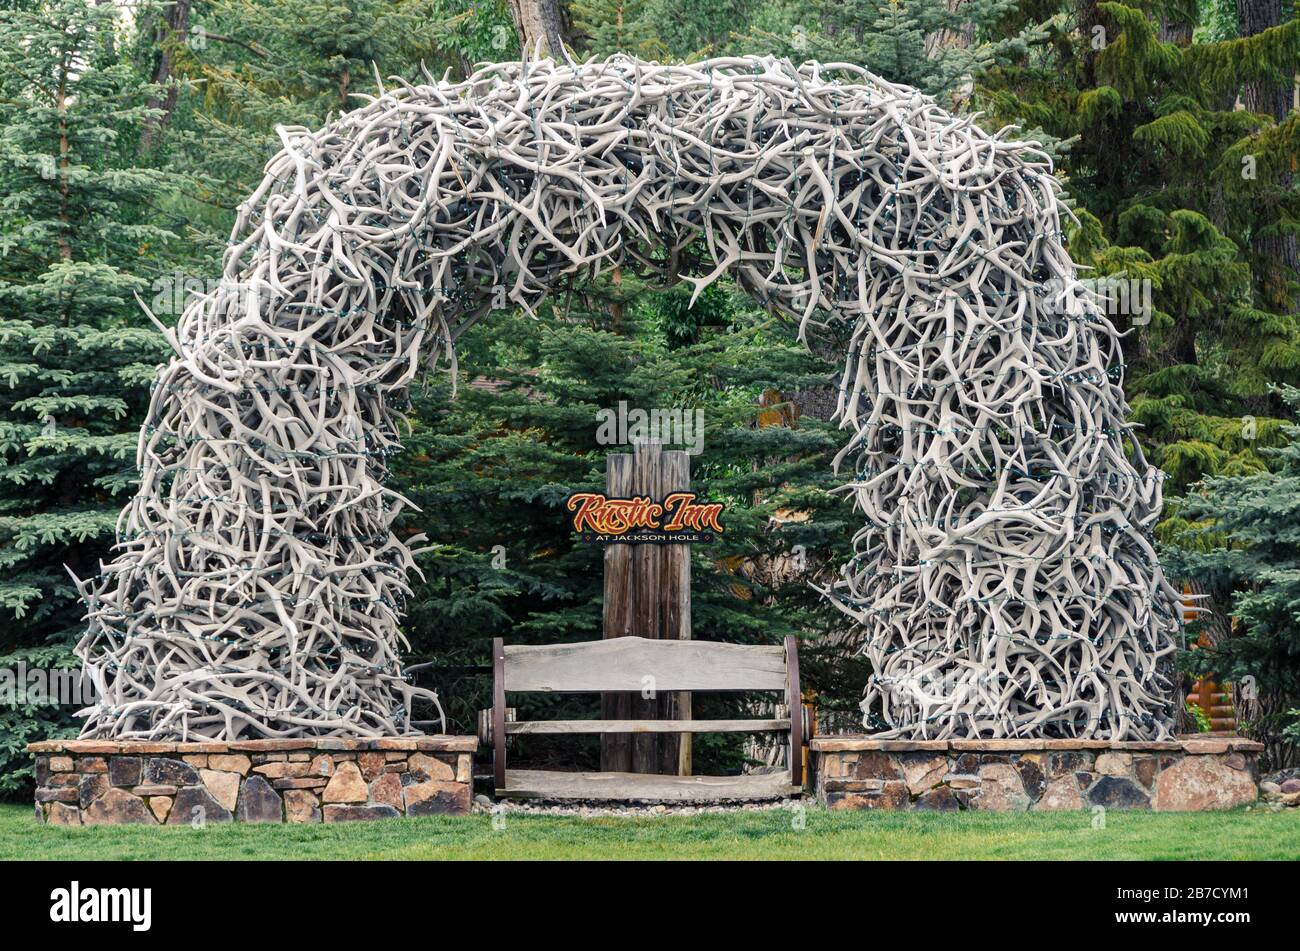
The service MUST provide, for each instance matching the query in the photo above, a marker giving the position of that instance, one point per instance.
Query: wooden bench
(625, 664)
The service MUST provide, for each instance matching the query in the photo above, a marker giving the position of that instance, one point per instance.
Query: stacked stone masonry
(1186, 775)
(94, 782)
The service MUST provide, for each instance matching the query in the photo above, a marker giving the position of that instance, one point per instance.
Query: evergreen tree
(76, 242)
(1168, 178)
(476, 31)
(606, 27)
(664, 30)
(1273, 245)
(691, 29)
(935, 45)
(1246, 541)
(248, 67)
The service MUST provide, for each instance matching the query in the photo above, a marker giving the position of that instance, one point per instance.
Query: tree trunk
(959, 37)
(65, 150)
(1270, 98)
(539, 22)
(172, 31)
(1262, 719)
(1180, 34)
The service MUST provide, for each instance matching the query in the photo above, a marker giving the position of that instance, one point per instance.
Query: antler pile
(1004, 566)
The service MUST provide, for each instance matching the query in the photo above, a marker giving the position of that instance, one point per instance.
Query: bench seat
(553, 784)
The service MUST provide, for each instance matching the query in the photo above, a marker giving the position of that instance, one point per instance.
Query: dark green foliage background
(493, 466)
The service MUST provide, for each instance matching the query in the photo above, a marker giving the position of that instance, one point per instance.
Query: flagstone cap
(440, 743)
(1202, 744)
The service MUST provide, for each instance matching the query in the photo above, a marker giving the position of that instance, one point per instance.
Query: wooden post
(647, 594)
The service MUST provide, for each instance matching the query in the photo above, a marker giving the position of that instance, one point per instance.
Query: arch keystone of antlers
(1003, 584)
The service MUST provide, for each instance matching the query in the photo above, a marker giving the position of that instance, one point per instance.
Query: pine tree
(1245, 541)
(76, 242)
(1274, 246)
(696, 29)
(606, 27)
(248, 67)
(1168, 178)
(475, 31)
(937, 46)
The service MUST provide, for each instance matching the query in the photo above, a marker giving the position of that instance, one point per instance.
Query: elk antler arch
(1004, 579)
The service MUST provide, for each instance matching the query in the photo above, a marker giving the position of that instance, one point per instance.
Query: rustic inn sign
(641, 520)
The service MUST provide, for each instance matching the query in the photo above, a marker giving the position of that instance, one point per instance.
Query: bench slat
(646, 726)
(622, 663)
(549, 784)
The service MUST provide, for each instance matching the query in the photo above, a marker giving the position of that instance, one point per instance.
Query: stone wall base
(100, 782)
(1188, 774)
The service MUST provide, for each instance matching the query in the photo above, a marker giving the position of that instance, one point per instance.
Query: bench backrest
(624, 663)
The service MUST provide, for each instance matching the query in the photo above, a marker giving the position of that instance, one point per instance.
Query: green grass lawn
(1257, 834)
